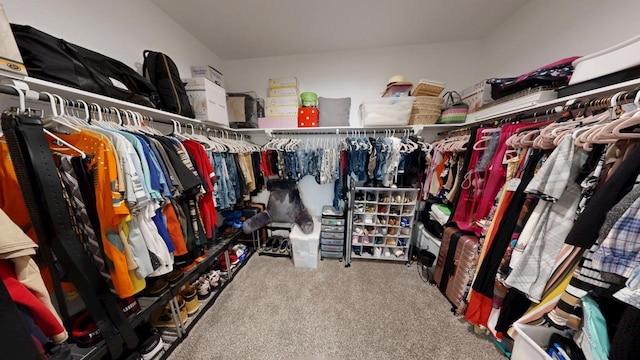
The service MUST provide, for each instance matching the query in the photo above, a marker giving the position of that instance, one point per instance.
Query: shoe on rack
(213, 277)
(129, 306)
(151, 345)
(202, 287)
(387, 252)
(284, 246)
(84, 330)
(276, 244)
(399, 252)
(174, 276)
(162, 317)
(156, 285)
(60, 351)
(357, 250)
(189, 294)
(267, 246)
(377, 252)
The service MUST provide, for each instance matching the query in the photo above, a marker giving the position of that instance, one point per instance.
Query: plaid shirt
(620, 250)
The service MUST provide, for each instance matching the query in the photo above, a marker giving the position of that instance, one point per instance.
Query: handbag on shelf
(454, 111)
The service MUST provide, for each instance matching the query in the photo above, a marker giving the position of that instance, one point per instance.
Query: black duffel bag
(55, 60)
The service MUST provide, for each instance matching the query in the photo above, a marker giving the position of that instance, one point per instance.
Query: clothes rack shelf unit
(381, 221)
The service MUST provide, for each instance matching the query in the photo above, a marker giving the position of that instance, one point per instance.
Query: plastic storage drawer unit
(335, 222)
(330, 228)
(332, 242)
(332, 235)
(331, 247)
(331, 255)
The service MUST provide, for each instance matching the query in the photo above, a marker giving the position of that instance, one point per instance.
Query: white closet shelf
(105, 101)
(504, 111)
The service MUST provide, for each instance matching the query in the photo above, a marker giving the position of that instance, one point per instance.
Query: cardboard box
(288, 91)
(285, 82)
(11, 63)
(285, 122)
(477, 95)
(283, 101)
(280, 111)
(208, 72)
(308, 117)
(209, 101)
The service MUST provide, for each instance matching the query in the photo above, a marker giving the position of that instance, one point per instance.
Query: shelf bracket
(417, 129)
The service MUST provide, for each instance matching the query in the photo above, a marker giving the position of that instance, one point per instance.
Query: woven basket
(427, 89)
(426, 110)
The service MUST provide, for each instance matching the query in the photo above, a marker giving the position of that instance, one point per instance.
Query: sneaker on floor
(189, 294)
(284, 246)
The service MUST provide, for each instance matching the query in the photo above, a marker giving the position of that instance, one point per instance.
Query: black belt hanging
(37, 174)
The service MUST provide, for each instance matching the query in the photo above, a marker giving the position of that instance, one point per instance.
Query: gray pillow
(334, 112)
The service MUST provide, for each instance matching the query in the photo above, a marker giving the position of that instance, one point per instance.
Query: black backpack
(163, 73)
(55, 60)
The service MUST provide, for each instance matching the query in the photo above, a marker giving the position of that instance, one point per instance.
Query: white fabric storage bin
(530, 341)
(305, 246)
(391, 111)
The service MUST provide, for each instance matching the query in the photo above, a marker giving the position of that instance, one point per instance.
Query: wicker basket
(427, 89)
(426, 110)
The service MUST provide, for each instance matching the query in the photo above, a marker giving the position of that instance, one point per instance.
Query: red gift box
(308, 117)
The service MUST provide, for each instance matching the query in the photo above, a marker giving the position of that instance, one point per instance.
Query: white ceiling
(239, 29)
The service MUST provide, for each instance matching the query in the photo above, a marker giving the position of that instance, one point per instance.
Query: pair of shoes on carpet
(276, 244)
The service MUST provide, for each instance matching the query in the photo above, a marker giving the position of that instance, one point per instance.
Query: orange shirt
(11, 200)
(110, 203)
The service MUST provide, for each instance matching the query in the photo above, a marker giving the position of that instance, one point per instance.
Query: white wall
(358, 73)
(121, 29)
(543, 31)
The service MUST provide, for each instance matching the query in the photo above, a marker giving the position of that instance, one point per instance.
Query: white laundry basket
(530, 341)
(305, 246)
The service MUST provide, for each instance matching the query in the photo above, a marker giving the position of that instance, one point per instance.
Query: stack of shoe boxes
(282, 104)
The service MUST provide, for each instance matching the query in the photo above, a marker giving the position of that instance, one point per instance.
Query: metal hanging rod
(576, 104)
(412, 129)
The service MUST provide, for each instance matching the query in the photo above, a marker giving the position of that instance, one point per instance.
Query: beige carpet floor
(372, 310)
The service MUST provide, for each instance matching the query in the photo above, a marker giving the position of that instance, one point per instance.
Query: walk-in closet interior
(412, 179)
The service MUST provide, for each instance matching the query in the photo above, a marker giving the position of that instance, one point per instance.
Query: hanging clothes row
(384, 161)
(143, 201)
(554, 205)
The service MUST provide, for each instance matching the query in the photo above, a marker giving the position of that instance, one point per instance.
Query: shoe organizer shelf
(381, 223)
(332, 230)
(174, 333)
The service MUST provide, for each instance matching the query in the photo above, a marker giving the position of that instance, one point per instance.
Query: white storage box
(394, 111)
(288, 91)
(477, 95)
(283, 101)
(208, 72)
(531, 341)
(281, 111)
(284, 122)
(305, 246)
(209, 100)
(285, 82)
(619, 57)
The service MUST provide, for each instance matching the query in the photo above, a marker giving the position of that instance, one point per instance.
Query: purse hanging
(454, 110)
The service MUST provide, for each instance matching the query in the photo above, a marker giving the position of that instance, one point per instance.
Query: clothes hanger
(629, 124)
(56, 116)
